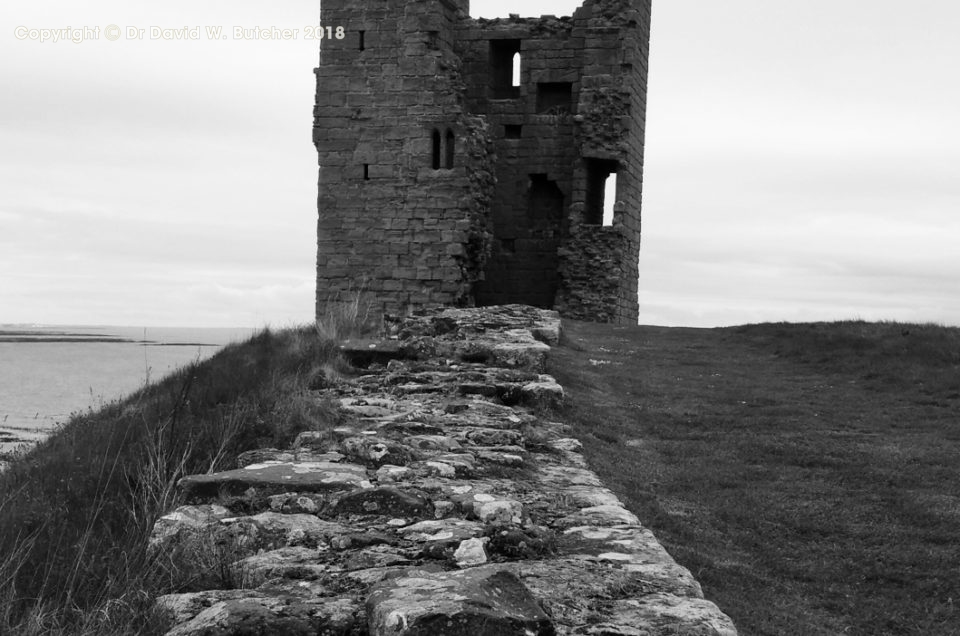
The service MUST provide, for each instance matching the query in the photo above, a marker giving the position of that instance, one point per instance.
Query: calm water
(47, 373)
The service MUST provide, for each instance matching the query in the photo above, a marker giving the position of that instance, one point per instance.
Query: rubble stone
(496, 525)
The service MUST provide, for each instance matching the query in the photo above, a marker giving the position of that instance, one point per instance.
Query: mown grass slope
(807, 474)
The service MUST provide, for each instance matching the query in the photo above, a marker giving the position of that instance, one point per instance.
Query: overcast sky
(802, 163)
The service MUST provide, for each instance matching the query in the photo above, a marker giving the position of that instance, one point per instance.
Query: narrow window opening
(436, 149)
(554, 98)
(362, 39)
(366, 172)
(513, 131)
(601, 191)
(504, 69)
(450, 142)
(433, 40)
(609, 198)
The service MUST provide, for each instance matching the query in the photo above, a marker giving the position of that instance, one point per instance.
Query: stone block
(477, 601)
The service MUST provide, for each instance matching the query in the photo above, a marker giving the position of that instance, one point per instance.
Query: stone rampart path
(450, 505)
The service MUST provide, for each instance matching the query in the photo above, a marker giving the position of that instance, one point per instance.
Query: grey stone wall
(517, 218)
(445, 501)
(391, 223)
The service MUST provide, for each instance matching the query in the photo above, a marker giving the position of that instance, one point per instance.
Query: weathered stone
(376, 408)
(479, 602)
(590, 497)
(375, 557)
(411, 428)
(445, 530)
(273, 476)
(293, 503)
(183, 607)
(490, 437)
(369, 537)
(272, 530)
(523, 351)
(292, 562)
(662, 614)
(634, 549)
(273, 455)
(567, 444)
(377, 451)
(568, 588)
(384, 500)
(603, 515)
(171, 527)
(433, 442)
(434, 469)
(388, 474)
(544, 393)
(326, 440)
(363, 352)
(471, 552)
(497, 511)
(504, 459)
(271, 615)
(562, 477)
(522, 543)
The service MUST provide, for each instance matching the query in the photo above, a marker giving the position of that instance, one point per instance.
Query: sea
(48, 372)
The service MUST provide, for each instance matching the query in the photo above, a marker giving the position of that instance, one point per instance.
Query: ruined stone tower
(445, 177)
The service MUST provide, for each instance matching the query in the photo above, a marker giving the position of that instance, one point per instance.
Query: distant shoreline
(59, 337)
(145, 343)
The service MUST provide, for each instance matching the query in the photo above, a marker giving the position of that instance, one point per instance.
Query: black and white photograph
(468, 317)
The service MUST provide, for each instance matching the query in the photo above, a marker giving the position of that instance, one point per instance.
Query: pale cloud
(801, 164)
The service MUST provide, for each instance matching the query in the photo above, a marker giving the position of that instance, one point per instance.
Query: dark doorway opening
(524, 263)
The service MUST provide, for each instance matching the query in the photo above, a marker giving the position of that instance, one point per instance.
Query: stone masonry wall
(580, 108)
(393, 221)
(516, 218)
(448, 504)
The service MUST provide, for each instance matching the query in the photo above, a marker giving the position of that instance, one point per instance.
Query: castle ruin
(447, 177)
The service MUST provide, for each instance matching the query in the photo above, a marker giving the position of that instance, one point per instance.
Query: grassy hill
(807, 474)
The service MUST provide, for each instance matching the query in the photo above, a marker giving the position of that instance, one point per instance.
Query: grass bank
(76, 512)
(807, 474)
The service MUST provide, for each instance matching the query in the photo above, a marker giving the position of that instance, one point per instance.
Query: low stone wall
(450, 503)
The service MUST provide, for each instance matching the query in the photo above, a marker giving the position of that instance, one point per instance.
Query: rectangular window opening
(504, 71)
(609, 198)
(512, 131)
(554, 98)
(601, 191)
(362, 39)
(366, 172)
(433, 40)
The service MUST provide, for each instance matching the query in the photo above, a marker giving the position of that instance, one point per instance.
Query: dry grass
(349, 314)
